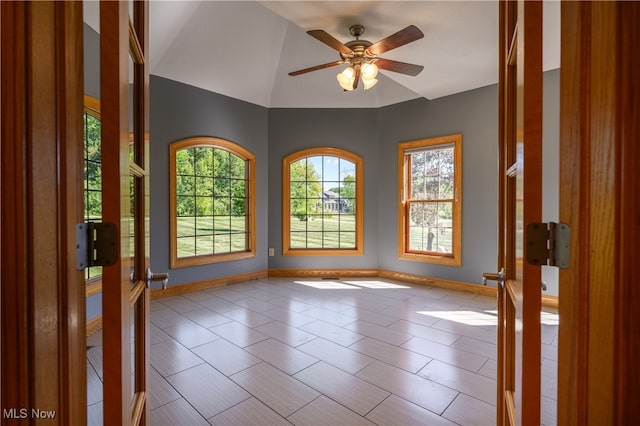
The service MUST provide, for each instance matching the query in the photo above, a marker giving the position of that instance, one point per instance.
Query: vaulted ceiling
(245, 49)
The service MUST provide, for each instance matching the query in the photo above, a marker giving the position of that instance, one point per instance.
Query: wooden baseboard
(94, 325)
(94, 286)
(323, 273)
(438, 282)
(175, 290)
(156, 293)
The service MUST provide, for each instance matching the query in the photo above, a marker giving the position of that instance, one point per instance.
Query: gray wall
(178, 111)
(354, 130)
(474, 114)
(551, 164)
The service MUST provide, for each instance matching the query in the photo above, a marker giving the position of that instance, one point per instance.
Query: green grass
(442, 239)
(330, 231)
(210, 235)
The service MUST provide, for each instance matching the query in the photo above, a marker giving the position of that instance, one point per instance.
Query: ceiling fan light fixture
(369, 72)
(362, 56)
(346, 77)
(369, 83)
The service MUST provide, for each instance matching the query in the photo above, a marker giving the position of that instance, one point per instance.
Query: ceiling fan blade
(401, 67)
(316, 68)
(327, 39)
(356, 78)
(402, 37)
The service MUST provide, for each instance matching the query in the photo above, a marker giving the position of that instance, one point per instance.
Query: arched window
(322, 203)
(212, 202)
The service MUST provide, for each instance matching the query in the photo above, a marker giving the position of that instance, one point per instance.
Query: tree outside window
(429, 208)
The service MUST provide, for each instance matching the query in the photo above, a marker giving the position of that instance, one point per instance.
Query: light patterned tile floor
(322, 352)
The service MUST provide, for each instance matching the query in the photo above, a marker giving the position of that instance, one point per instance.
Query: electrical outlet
(272, 251)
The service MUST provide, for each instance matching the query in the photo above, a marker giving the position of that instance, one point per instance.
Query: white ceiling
(245, 49)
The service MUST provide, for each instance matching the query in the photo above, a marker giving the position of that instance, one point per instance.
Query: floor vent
(330, 278)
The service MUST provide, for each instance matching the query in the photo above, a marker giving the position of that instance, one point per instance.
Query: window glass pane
(237, 167)
(347, 170)
(186, 226)
(298, 171)
(347, 239)
(295, 224)
(186, 246)
(222, 207)
(314, 239)
(298, 240)
(330, 240)
(93, 175)
(430, 227)
(331, 223)
(204, 161)
(238, 224)
(204, 244)
(222, 187)
(238, 188)
(432, 174)
(204, 225)
(238, 206)
(314, 223)
(221, 163)
(204, 186)
(185, 205)
(347, 222)
(238, 242)
(330, 168)
(222, 243)
(315, 206)
(185, 185)
(222, 224)
(184, 161)
(204, 206)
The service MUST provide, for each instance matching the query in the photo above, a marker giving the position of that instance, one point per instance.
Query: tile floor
(324, 352)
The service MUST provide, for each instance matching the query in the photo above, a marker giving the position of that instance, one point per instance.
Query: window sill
(430, 258)
(185, 262)
(322, 252)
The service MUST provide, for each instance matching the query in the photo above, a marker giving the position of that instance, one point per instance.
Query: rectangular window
(429, 179)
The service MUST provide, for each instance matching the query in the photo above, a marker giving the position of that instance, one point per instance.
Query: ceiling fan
(362, 56)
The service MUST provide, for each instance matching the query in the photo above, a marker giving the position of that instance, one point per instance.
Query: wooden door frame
(520, 175)
(599, 334)
(43, 306)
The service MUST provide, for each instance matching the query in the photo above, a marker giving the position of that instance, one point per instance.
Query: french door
(519, 291)
(125, 188)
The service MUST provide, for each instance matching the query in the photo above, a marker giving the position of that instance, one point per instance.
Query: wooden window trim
(451, 259)
(250, 160)
(286, 203)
